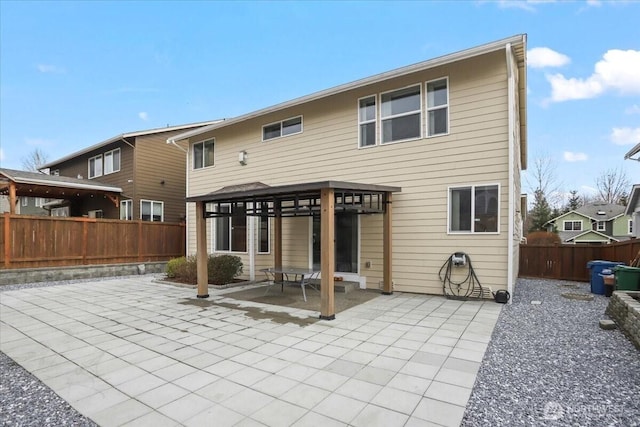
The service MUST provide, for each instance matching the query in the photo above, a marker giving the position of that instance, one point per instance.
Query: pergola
(16, 183)
(307, 199)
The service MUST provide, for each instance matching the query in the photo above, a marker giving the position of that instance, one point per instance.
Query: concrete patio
(133, 352)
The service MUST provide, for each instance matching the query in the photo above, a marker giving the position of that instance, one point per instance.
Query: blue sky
(73, 74)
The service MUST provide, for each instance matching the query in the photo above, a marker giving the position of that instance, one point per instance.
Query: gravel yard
(551, 364)
(547, 364)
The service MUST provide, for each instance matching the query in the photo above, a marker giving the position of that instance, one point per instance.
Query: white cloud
(527, 5)
(625, 136)
(634, 109)
(48, 68)
(143, 115)
(541, 57)
(594, 3)
(570, 156)
(617, 71)
(37, 142)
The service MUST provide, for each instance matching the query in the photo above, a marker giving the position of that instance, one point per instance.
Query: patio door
(346, 246)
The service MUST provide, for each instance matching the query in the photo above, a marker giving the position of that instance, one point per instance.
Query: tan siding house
(450, 132)
(150, 173)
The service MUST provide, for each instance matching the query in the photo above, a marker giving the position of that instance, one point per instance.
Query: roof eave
(398, 72)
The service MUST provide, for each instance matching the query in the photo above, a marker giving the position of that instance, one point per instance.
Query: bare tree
(34, 160)
(542, 176)
(612, 185)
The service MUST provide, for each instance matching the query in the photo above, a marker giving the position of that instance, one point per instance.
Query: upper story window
(95, 166)
(203, 154)
(474, 209)
(400, 112)
(367, 121)
(55, 172)
(283, 128)
(437, 107)
(112, 161)
(572, 226)
(630, 228)
(601, 226)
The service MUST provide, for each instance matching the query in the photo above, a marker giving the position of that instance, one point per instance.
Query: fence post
(85, 240)
(7, 235)
(140, 257)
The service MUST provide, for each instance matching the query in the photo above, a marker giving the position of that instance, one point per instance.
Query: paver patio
(132, 352)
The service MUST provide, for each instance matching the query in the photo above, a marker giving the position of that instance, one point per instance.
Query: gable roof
(517, 44)
(635, 150)
(126, 135)
(591, 211)
(603, 237)
(633, 202)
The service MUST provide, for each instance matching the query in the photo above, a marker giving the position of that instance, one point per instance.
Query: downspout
(134, 177)
(511, 129)
(172, 141)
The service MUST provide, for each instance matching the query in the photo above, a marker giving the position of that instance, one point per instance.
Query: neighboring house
(597, 223)
(33, 206)
(446, 137)
(633, 210)
(150, 174)
(20, 186)
(5, 205)
(633, 152)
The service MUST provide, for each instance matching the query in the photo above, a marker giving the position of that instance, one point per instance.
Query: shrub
(543, 238)
(182, 269)
(223, 269)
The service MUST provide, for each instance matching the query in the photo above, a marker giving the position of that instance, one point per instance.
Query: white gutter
(67, 184)
(431, 63)
(511, 212)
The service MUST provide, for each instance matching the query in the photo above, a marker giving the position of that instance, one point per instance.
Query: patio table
(290, 276)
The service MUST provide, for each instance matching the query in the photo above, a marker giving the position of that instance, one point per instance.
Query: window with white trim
(367, 121)
(55, 172)
(401, 114)
(263, 234)
(40, 201)
(231, 230)
(601, 226)
(95, 166)
(572, 225)
(286, 127)
(438, 107)
(151, 210)
(24, 201)
(126, 210)
(474, 209)
(203, 154)
(630, 226)
(112, 161)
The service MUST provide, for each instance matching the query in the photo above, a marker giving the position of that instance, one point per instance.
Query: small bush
(182, 269)
(543, 238)
(223, 269)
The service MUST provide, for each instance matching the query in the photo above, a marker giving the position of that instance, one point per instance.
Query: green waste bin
(627, 278)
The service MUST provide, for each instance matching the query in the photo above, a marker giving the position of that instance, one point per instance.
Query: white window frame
(127, 205)
(395, 116)
(215, 231)
(110, 154)
(24, 201)
(437, 107)
(259, 230)
(630, 226)
(153, 202)
(96, 213)
(39, 201)
(281, 123)
(203, 143)
(374, 121)
(473, 209)
(55, 172)
(601, 226)
(97, 160)
(573, 222)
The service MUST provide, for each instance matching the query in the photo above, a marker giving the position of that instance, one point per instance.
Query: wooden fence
(569, 262)
(36, 241)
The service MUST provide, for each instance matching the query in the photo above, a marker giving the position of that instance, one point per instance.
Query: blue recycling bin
(596, 267)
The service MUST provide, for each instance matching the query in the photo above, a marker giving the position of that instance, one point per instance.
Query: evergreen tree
(540, 212)
(574, 201)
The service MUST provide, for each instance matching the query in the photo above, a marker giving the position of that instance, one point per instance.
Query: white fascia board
(68, 184)
(398, 72)
(121, 137)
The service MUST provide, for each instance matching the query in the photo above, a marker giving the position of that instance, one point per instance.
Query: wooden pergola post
(327, 253)
(201, 251)
(12, 198)
(387, 251)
